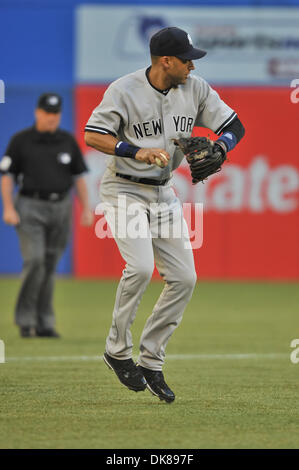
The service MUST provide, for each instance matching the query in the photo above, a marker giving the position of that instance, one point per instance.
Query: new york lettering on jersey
(154, 127)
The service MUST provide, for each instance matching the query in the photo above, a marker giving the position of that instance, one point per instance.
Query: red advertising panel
(250, 222)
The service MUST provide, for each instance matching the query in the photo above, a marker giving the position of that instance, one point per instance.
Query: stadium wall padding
(251, 208)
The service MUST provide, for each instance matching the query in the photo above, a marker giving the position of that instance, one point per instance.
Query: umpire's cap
(174, 42)
(50, 102)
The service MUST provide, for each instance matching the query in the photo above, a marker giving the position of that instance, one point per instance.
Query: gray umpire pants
(43, 234)
(155, 214)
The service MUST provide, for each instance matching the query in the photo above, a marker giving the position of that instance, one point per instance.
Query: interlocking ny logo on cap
(189, 39)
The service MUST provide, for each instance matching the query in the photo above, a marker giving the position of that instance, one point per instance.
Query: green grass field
(228, 363)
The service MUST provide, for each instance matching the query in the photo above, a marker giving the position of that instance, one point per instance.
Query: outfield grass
(225, 399)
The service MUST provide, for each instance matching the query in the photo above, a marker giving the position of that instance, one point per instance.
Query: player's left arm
(215, 114)
(232, 134)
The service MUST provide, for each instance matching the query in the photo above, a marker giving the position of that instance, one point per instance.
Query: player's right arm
(106, 143)
(102, 128)
(10, 215)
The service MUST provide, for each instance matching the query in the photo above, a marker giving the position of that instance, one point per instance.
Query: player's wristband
(229, 139)
(123, 149)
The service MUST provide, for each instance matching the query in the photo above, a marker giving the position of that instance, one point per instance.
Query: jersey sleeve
(107, 116)
(78, 164)
(213, 112)
(10, 162)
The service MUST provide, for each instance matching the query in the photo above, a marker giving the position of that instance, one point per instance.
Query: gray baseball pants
(43, 235)
(155, 214)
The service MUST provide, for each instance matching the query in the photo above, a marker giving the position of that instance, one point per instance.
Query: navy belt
(143, 180)
(44, 195)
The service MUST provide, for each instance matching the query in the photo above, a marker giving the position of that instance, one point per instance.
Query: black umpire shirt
(43, 161)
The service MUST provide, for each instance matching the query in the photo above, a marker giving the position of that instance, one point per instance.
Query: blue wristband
(123, 149)
(229, 139)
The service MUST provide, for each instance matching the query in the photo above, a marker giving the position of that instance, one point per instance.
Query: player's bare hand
(87, 217)
(153, 156)
(11, 217)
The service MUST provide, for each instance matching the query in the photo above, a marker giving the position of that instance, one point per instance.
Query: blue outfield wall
(37, 55)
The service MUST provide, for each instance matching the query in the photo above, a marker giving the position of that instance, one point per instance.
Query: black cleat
(47, 333)
(127, 373)
(27, 332)
(157, 385)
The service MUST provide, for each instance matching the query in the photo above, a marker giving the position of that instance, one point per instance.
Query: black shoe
(47, 333)
(157, 385)
(27, 332)
(127, 372)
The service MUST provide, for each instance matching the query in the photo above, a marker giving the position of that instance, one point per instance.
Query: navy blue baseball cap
(174, 41)
(50, 102)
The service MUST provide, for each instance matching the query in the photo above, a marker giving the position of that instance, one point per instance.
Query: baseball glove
(204, 156)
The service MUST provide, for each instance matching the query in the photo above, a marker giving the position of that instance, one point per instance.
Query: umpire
(45, 162)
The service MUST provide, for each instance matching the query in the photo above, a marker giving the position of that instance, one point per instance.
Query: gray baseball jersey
(134, 111)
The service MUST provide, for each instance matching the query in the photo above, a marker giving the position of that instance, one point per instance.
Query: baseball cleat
(157, 385)
(127, 373)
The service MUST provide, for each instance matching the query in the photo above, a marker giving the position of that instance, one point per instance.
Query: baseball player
(136, 123)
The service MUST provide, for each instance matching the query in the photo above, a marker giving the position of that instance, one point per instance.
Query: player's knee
(144, 273)
(191, 280)
(188, 279)
(141, 272)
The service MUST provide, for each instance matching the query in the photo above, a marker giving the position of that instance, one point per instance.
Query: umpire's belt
(44, 195)
(143, 180)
